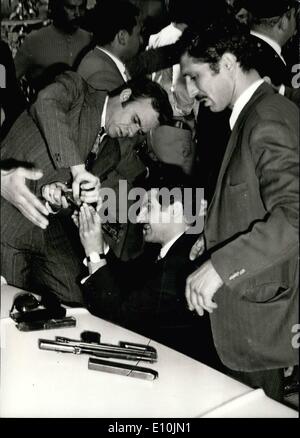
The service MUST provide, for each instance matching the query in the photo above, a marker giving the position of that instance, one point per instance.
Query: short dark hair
(111, 16)
(145, 88)
(209, 44)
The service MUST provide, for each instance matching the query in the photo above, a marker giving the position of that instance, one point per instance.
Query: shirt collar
(242, 101)
(103, 116)
(269, 41)
(166, 247)
(120, 65)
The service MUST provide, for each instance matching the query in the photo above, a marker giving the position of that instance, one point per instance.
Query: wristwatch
(95, 257)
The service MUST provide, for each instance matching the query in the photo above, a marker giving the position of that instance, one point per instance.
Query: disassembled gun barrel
(125, 350)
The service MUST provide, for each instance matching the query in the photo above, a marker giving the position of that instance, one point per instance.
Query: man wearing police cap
(273, 25)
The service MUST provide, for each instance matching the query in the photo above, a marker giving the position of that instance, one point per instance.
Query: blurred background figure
(241, 12)
(181, 15)
(12, 101)
(116, 27)
(57, 44)
(273, 27)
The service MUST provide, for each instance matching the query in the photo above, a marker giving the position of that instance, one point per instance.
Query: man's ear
(228, 61)
(284, 21)
(125, 95)
(122, 37)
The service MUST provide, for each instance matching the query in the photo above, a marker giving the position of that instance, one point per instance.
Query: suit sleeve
(50, 112)
(273, 142)
(118, 292)
(102, 294)
(153, 60)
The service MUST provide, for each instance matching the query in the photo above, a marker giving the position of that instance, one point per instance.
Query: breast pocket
(236, 205)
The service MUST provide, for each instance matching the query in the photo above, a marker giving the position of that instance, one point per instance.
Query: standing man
(249, 284)
(57, 44)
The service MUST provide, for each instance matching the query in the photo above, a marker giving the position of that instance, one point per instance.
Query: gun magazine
(122, 369)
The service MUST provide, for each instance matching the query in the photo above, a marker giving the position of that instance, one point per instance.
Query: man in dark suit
(249, 283)
(273, 26)
(57, 136)
(147, 294)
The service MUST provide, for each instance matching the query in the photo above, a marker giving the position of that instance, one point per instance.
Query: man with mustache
(249, 284)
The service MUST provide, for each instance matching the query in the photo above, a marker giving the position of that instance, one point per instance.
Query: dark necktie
(92, 156)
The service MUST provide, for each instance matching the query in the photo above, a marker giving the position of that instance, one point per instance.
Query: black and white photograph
(149, 212)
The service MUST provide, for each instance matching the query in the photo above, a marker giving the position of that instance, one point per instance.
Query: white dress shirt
(103, 115)
(242, 101)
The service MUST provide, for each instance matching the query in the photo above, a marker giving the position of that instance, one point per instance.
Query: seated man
(147, 294)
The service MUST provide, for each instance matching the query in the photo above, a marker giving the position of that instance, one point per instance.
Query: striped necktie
(92, 156)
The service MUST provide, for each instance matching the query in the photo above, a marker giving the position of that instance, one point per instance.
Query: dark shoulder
(276, 106)
(267, 104)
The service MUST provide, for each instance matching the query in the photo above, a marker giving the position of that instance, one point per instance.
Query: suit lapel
(90, 120)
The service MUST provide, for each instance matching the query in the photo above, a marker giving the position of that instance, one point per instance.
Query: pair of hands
(85, 188)
(88, 221)
(16, 192)
(203, 283)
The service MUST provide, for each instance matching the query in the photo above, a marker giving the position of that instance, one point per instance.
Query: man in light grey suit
(117, 33)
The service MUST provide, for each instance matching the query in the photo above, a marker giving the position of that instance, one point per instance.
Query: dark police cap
(269, 9)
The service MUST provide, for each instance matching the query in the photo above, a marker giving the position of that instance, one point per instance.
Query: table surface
(37, 383)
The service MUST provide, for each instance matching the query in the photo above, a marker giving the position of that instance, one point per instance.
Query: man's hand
(15, 191)
(201, 286)
(53, 193)
(90, 230)
(85, 186)
(198, 248)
